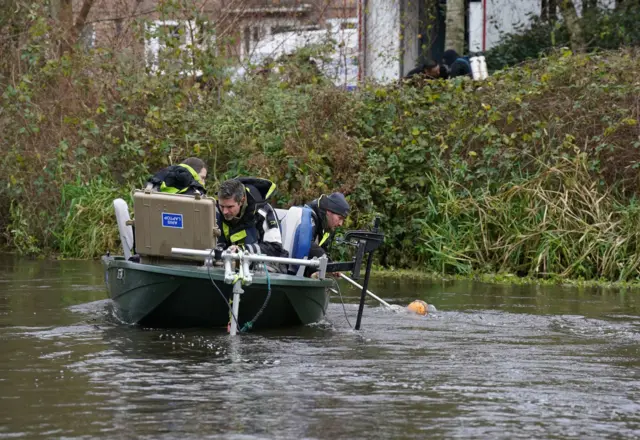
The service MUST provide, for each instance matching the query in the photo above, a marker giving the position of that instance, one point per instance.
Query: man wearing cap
(327, 214)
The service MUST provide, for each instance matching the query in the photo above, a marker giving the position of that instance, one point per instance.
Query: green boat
(185, 296)
(169, 276)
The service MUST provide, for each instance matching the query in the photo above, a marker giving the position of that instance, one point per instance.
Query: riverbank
(533, 171)
(503, 279)
(416, 275)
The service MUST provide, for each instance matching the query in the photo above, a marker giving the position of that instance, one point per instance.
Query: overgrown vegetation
(602, 28)
(532, 172)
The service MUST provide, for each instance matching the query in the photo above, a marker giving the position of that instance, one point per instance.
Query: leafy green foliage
(602, 29)
(536, 39)
(533, 171)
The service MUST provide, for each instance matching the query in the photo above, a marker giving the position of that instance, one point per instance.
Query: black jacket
(321, 237)
(460, 67)
(419, 72)
(257, 229)
(456, 65)
(177, 179)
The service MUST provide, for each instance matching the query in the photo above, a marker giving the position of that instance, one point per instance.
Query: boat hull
(162, 296)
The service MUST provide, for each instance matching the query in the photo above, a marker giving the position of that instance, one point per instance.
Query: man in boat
(246, 219)
(327, 214)
(186, 178)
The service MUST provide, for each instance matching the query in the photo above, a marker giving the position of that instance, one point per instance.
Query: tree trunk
(549, 10)
(62, 12)
(573, 24)
(64, 21)
(589, 6)
(81, 19)
(454, 32)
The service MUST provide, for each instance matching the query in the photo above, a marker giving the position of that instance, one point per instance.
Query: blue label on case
(171, 220)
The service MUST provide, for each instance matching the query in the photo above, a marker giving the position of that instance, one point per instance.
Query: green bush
(434, 153)
(532, 171)
(603, 29)
(527, 43)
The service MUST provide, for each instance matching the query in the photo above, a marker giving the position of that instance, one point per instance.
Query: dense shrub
(532, 171)
(603, 29)
(437, 153)
(529, 42)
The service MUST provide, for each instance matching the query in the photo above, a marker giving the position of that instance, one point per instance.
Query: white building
(394, 32)
(342, 64)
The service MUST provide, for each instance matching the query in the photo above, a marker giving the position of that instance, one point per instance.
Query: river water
(492, 362)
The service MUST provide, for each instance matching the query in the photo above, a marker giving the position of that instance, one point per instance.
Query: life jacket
(255, 210)
(319, 217)
(178, 179)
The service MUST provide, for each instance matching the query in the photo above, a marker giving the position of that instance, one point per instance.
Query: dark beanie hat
(449, 57)
(337, 203)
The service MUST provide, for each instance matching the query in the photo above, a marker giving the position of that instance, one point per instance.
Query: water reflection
(494, 361)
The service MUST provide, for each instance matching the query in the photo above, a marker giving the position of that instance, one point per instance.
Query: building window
(247, 41)
(166, 42)
(280, 29)
(162, 39)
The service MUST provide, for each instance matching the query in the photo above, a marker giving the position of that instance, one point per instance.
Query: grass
(88, 226)
(502, 278)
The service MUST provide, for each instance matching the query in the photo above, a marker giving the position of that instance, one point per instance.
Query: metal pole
(364, 290)
(266, 259)
(370, 293)
(237, 291)
(365, 285)
(247, 257)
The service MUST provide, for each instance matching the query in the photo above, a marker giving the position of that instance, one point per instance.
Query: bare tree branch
(82, 18)
(122, 17)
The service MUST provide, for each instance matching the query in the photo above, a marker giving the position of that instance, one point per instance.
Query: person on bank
(327, 214)
(456, 65)
(246, 219)
(428, 70)
(185, 178)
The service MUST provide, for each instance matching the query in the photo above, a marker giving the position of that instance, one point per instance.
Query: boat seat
(124, 227)
(297, 230)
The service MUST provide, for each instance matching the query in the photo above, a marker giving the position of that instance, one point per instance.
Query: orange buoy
(418, 306)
